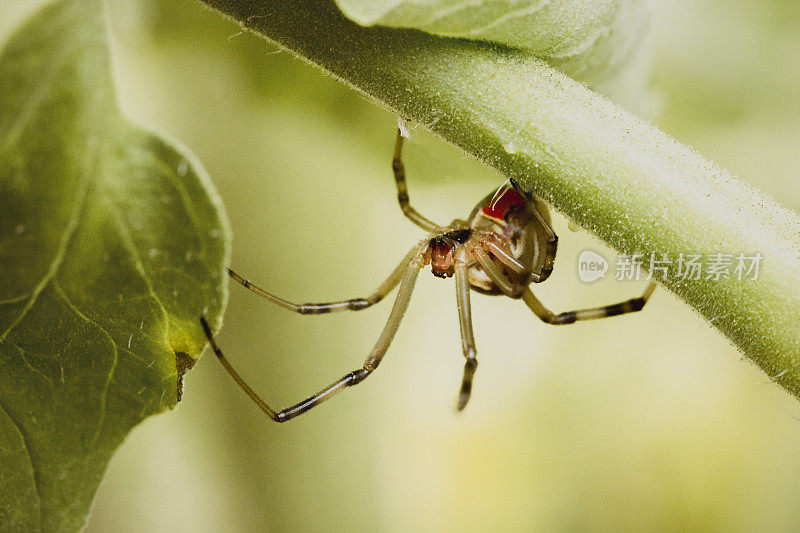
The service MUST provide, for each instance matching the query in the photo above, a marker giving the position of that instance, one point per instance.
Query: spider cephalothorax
(506, 244)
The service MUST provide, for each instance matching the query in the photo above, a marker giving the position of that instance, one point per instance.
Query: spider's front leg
(354, 304)
(399, 170)
(409, 278)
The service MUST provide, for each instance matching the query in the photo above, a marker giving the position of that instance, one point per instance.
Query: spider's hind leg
(570, 317)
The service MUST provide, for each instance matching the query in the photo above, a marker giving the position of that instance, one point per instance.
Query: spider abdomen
(520, 226)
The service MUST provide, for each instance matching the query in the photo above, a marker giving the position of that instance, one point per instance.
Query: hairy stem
(616, 175)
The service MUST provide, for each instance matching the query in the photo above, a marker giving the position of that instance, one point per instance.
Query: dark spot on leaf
(183, 363)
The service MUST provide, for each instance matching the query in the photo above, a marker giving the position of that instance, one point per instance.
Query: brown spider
(506, 244)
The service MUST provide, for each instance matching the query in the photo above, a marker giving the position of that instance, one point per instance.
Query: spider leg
(355, 304)
(402, 190)
(511, 262)
(552, 238)
(495, 274)
(569, 317)
(355, 377)
(467, 337)
(505, 257)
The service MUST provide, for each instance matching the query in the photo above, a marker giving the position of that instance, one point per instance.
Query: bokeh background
(652, 421)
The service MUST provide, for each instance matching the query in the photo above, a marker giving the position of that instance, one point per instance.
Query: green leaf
(560, 28)
(595, 41)
(112, 244)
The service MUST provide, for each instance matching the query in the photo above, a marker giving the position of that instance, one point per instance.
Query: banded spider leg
(408, 269)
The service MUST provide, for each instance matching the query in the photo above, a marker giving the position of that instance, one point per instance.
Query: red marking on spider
(506, 199)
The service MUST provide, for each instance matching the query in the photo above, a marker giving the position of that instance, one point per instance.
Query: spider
(505, 244)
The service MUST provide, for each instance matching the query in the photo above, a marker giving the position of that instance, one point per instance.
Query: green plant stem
(614, 174)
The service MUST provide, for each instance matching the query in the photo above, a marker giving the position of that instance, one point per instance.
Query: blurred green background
(651, 421)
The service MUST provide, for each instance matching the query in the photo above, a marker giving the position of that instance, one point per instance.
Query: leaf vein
(30, 458)
(130, 246)
(104, 396)
(34, 101)
(186, 200)
(15, 299)
(66, 236)
(29, 365)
